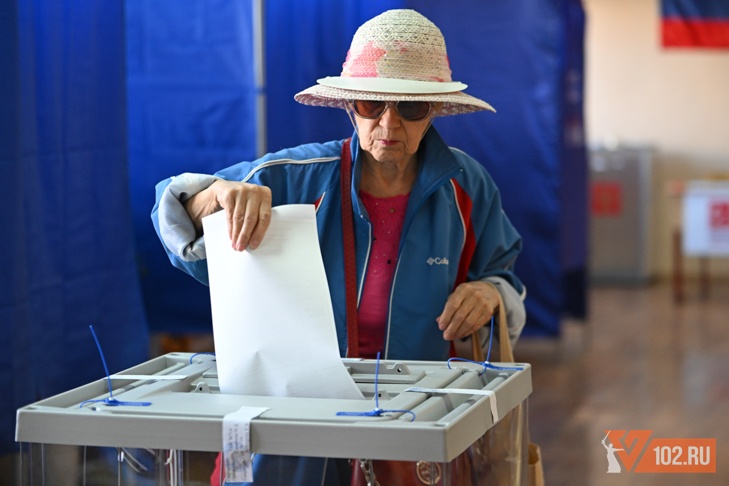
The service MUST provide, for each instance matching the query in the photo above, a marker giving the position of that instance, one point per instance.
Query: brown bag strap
(506, 354)
(476, 348)
(350, 262)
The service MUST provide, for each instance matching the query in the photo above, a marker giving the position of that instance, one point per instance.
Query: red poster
(606, 198)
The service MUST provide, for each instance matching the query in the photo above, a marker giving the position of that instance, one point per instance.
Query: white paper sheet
(273, 322)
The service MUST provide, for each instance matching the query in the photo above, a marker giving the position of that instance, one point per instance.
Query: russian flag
(695, 23)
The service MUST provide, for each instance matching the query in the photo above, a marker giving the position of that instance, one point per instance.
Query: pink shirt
(387, 216)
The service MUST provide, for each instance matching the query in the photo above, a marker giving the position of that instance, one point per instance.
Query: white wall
(674, 100)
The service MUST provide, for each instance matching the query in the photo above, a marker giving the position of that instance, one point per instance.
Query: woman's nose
(390, 117)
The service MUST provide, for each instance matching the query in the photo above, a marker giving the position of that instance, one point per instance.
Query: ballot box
(620, 214)
(161, 422)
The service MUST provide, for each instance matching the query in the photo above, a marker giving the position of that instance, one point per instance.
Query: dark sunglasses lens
(413, 110)
(369, 108)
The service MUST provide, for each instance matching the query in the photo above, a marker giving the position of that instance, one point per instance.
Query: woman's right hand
(247, 210)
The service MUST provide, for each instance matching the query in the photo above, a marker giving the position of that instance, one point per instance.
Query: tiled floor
(639, 362)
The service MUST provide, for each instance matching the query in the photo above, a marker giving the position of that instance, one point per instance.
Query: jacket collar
(436, 165)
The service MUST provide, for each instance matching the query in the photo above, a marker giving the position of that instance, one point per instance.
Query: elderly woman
(432, 251)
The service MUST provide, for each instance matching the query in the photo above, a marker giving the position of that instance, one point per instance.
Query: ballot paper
(273, 323)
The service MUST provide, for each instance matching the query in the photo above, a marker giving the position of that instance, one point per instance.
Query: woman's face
(390, 138)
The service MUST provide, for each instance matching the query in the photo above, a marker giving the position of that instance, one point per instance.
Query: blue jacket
(454, 205)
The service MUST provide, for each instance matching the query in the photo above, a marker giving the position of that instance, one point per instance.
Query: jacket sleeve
(499, 272)
(498, 245)
(510, 288)
(174, 227)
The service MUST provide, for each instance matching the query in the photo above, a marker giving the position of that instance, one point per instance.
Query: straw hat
(398, 55)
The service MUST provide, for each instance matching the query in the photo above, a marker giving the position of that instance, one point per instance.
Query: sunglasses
(408, 110)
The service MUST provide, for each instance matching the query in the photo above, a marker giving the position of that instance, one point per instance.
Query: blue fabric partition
(192, 108)
(574, 193)
(67, 237)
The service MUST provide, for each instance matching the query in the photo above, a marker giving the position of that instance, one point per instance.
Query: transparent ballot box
(433, 423)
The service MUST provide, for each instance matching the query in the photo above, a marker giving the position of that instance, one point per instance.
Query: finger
(264, 221)
(458, 325)
(259, 218)
(243, 203)
(455, 312)
(246, 224)
(452, 305)
(471, 322)
(469, 302)
(230, 215)
(229, 198)
(236, 223)
(254, 218)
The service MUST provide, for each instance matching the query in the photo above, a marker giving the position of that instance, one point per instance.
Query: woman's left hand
(468, 308)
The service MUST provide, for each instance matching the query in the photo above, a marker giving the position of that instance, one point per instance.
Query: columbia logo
(437, 261)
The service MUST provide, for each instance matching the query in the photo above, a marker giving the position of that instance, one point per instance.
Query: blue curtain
(67, 240)
(192, 108)
(573, 194)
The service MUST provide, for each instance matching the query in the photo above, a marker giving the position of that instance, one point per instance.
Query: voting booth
(153, 423)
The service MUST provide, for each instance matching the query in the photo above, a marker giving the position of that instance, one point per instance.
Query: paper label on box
(237, 443)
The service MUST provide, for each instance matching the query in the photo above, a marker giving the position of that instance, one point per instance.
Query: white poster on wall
(706, 218)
